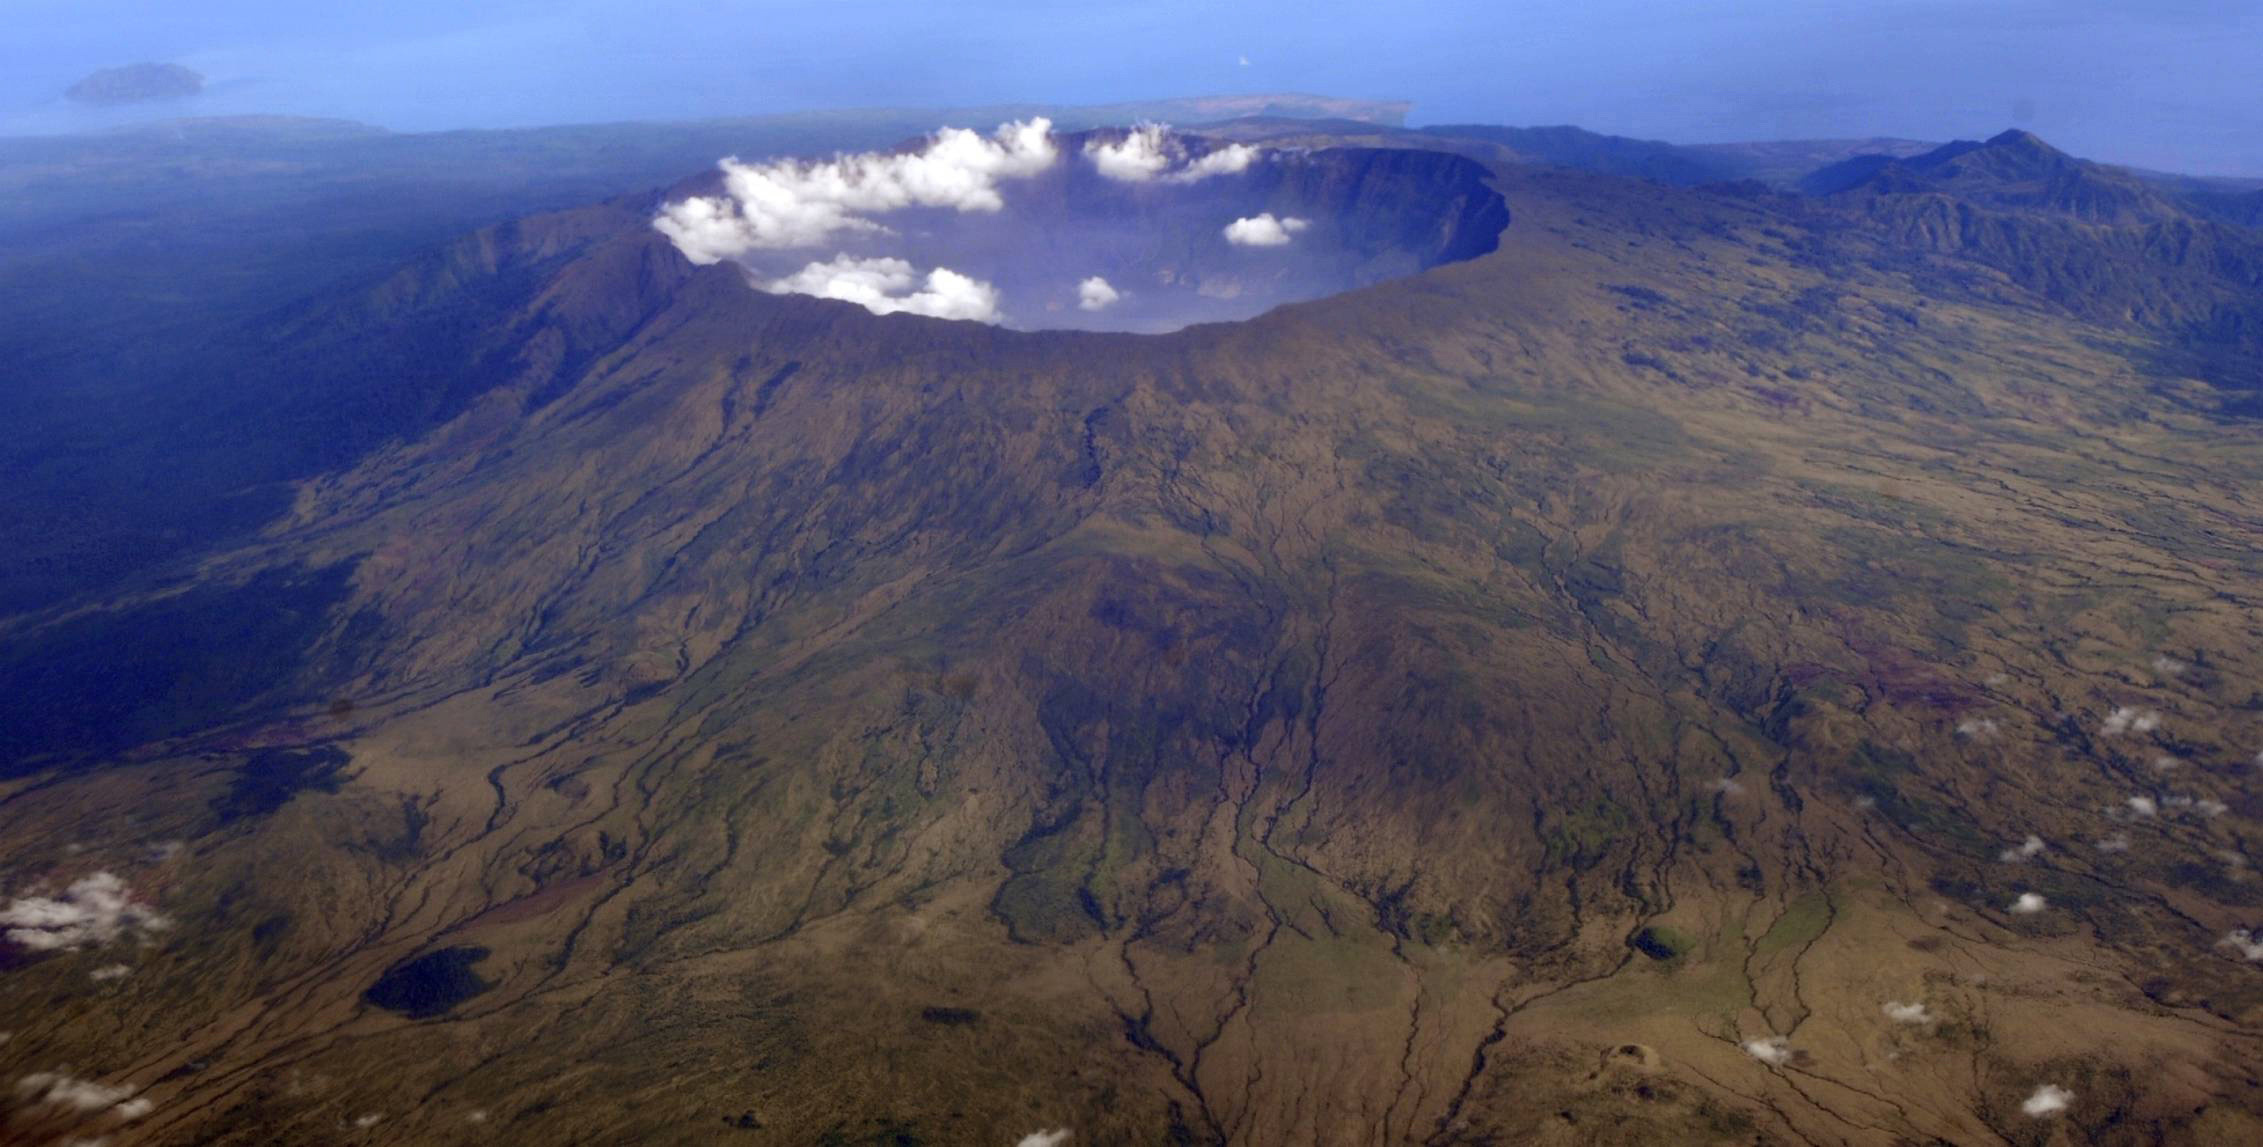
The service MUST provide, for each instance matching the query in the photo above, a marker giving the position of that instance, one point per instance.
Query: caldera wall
(1132, 231)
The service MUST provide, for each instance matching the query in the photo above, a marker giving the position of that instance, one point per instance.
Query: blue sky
(2164, 83)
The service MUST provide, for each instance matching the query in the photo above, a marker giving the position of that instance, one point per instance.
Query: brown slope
(1355, 725)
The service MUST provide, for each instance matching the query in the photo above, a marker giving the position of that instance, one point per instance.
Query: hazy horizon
(2155, 85)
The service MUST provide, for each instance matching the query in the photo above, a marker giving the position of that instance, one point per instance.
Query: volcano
(1684, 665)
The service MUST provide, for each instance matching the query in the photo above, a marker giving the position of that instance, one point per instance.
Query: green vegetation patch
(1582, 837)
(1803, 920)
(1050, 907)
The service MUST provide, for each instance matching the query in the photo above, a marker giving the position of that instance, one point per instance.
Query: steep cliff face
(1483, 706)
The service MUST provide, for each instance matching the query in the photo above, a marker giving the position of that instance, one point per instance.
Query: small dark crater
(951, 1017)
(1655, 944)
(429, 985)
(743, 1121)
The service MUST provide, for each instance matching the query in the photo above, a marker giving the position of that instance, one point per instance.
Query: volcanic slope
(1601, 692)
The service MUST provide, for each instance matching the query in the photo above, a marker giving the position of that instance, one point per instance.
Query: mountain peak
(2020, 139)
(2014, 170)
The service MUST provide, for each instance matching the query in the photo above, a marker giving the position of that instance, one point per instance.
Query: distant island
(136, 83)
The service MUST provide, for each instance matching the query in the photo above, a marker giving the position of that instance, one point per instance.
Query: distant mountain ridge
(271, 130)
(1575, 147)
(1779, 164)
(136, 83)
(2100, 241)
(2015, 170)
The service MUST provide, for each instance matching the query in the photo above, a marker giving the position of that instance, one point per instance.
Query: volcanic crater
(1140, 229)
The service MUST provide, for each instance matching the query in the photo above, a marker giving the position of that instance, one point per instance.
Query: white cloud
(2126, 719)
(1152, 151)
(1094, 294)
(2245, 943)
(2025, 850)
(60, 1090)
(2049, 1099)
(109, 972)
(2168, 666)
(1263, 231)
(1773, 1049)
(1232, 159)
(887, 286)
(1978, 727)
(93, 910)
(1141, 155)
(1909, 1013)
(1726, 786)
(2180, 803)
(793, 203)
(2119, 842)
(1244, 61)
(2028, 904)
(1052, 1138)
